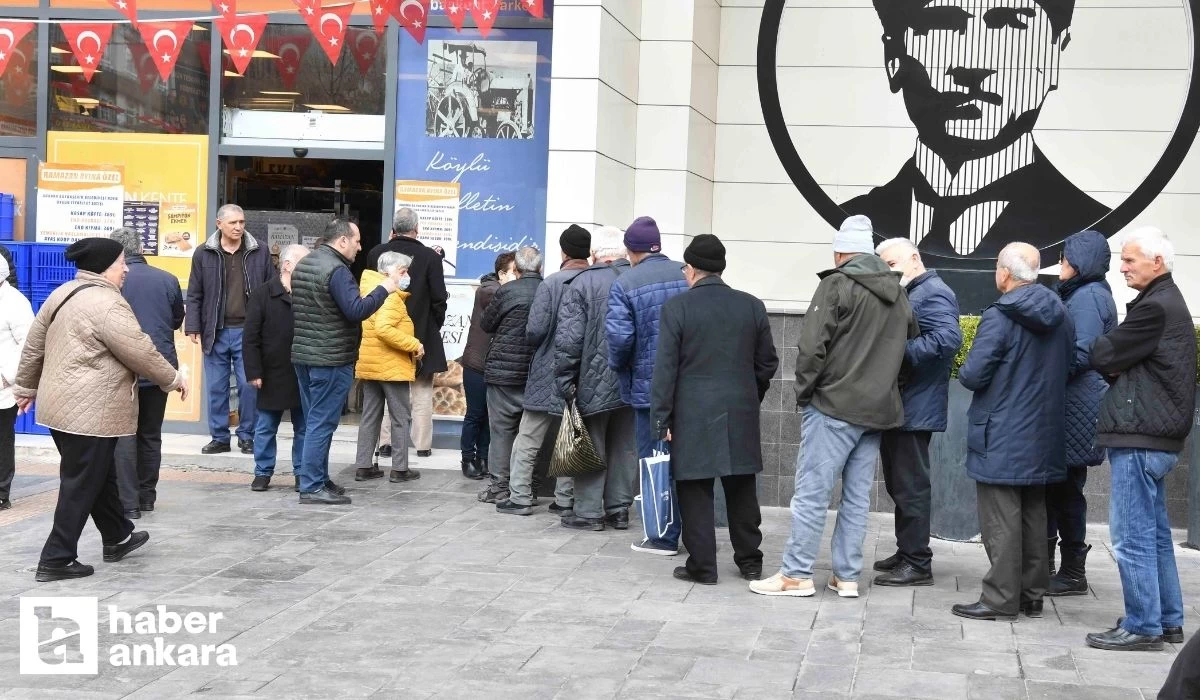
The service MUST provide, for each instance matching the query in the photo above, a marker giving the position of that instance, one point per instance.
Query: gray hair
(129, 240)
(1020, 259)
(392, 259)
(405, 221)
(608, 242)
(293, 252)
(890, 243)
(1153, 243)
(228, 209)
(529, 259)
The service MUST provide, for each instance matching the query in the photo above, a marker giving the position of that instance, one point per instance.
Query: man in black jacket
(426, 304)
(1145, 417)
(476, 436)
(157, 301)
(267, 353)
(507, 368)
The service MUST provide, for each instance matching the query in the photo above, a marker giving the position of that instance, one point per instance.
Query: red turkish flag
(456, 10)
(330, 29)
(11, 34)
(380, 9)
(19, 82)
(364, 44)
(309, 11)
(87, 42)
(227, 8)
(165, 41)
(484, 13)
(127, 8)
(413, 15)
(290, 50)
(147, 70)
(241, 35)
(534, 7)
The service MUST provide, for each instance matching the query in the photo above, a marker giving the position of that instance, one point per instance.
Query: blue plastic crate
(50, 264)
(22, 254)
(27, 425)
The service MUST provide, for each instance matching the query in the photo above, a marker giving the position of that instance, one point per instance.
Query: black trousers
(139, 457)
(1066, 513)
(87, 486)
(905, 457)
(699, 523)
(8, 449)
(1013, 521)
(1183, 682)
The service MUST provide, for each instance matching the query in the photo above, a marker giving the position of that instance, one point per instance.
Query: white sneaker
(844, 589)
(648, 547)
(781, 585)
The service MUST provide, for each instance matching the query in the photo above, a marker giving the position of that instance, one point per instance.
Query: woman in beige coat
(81, 362)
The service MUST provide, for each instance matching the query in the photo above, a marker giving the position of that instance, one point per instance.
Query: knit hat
(855, 236)
(642, 236)
(94, 254)
(705, 252)
(576, 242)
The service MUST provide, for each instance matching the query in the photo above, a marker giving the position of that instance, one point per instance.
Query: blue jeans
(226, 353)
(323, 394)
(265, 430)
(646, 440)
(1145, 553)
(830, 448)
(476, 436)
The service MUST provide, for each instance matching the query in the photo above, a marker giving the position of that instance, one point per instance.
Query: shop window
(127, 94)
(18, 89)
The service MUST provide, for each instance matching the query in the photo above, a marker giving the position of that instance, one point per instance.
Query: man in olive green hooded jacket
(851, 350)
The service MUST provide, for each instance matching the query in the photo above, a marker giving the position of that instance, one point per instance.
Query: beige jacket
(83, 369)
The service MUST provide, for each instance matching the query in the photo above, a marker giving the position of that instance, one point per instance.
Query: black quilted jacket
(1152, 356)
(510, 353)
(581, 344)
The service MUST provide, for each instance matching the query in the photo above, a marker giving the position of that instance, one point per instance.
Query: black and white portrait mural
(975, 78)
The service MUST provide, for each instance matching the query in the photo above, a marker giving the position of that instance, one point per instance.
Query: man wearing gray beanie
(851, 348)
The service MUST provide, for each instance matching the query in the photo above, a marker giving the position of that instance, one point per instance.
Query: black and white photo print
(481, 89)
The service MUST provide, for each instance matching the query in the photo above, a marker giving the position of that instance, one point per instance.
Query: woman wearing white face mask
(387, 364)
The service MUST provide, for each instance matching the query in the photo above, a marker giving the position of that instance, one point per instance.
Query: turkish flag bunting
(290, 50)
(534, 7)
(11, 34)
(147, 69)
(456, 10)
(364, 44)
(18, 84)
(227, 8)
(484, 12)
(165, 41)
(380, 10)
(330, 29)
(241, 35)
(309, 10)
(127, 8)
(413, 15)
(87, 42)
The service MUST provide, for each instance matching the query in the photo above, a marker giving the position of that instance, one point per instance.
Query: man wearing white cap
(851, 348)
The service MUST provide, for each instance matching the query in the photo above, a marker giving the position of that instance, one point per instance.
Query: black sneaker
(117, 552)
(324, 497)
(618, 520)
(424, 453)
(246, 446)
(905, 575)
(397, 477)
(385, 451)
(1174, 635)
(260, 483)
(494, 493)
(368, 473)
(1033, 608)
(46, 573)
(889, 563)
(5, 504)
(334, 488)
(133, 513)
(146, 507)
(214, 448)
(562, 510)
(507, 506)
(578, 522)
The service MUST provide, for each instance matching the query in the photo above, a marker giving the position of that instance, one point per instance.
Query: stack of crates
(41, 268)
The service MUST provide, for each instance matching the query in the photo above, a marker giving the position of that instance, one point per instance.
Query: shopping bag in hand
(574, 452)
(658, 507)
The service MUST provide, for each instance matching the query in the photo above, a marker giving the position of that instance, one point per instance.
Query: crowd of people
(656, 357)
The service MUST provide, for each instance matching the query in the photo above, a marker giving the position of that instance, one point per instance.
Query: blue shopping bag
(659, 510)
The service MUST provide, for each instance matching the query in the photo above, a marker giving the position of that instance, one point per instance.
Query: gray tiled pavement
(418, 591)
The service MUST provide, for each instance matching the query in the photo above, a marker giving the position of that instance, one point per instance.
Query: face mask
(404, 282)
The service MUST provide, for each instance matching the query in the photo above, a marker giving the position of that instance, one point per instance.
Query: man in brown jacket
(81, 362)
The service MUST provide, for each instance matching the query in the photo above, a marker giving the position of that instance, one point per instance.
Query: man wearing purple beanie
(634, 305)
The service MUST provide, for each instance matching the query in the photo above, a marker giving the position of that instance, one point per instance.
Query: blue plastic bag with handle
(659, 509)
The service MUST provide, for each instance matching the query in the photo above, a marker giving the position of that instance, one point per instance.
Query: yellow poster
(177, 226)
(171, 169)
(190, 361)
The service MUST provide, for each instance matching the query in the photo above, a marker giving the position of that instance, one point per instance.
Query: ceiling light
(328, 108)
(232, 74)
(258, 53)
(87, 101)
(278, 92)
(199, 28)
(55, 49)
(68, 69)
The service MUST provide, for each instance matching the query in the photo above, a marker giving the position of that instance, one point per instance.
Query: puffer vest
(324, 337)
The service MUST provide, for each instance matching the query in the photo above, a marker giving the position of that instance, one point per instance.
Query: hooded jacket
(852, 344)
(1018, 369)
(475, 353)
(930, 355)
(206, 285)
(581, 344)
(388, 338)
(540, 392)
(1091, 307)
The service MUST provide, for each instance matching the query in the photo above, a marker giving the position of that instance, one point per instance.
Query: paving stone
(1040, 690)
(771, 677)
(825, 679)
(921, 684)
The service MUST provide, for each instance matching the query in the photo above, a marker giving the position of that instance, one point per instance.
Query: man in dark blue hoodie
(1017, 368)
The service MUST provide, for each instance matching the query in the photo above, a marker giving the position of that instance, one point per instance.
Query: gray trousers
(609, 491)
(395, 395)
(1013, 522)
(535, 426)
(505, 406)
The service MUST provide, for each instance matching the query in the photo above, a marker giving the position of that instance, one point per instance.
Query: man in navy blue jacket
(925, 385)
(157, 303)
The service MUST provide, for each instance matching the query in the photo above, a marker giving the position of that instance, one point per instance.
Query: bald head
(1017, 266)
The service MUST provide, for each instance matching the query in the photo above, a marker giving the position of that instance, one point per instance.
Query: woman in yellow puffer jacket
(387, 363)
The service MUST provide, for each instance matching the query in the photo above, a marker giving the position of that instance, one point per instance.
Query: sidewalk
(420, 591)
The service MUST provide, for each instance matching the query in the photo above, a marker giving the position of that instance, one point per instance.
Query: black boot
(468, 467)
(476, 470)
(1071, 579)
(1051, 545)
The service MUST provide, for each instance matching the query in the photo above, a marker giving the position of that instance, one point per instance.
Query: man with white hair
(924, 389)
(1016, 432)
(1146, 415)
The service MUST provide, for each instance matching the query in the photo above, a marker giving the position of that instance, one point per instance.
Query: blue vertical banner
(473, 124)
